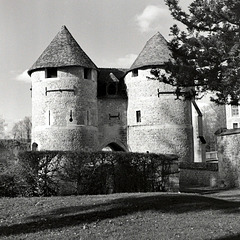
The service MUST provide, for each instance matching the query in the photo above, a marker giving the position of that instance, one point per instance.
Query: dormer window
(87, 73)
(135, 73)
(51, 72)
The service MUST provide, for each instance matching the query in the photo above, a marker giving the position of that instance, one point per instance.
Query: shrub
(48, 173)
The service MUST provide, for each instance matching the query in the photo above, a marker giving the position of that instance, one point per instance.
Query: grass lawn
(122, 216)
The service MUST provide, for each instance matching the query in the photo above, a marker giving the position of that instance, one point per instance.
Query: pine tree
(207, 54)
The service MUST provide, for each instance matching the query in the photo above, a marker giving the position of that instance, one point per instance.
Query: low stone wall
(229, 158)
(198, 174)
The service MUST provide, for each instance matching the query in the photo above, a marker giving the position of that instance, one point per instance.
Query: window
(51, 73)
(235, 125)
(138, 116)
(71, 116)
(88, 118)
(87, 73)
(49, 118)
(135, 73)
(235, 111)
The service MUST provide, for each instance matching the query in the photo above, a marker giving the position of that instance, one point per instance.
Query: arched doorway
(34, 147)
(113, 147)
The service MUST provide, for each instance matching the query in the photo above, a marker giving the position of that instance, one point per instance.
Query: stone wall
(112, 122)
(198, 174)
(229, 158)
(166, 123)
(65, 120)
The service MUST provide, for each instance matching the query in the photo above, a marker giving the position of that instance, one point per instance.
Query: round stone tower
(64, 97)
(157, 122)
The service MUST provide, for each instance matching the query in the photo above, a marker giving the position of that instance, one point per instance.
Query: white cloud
(23, 77)
(151, 18)
(126, 61)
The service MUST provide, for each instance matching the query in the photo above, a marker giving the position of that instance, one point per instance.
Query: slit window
(71, 116)
(49, 118)
(135, 73)
(51, 73)
(87, 73)
(88, 117)
(138, 116)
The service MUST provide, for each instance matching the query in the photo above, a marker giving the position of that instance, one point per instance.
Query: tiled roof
(61, 52)
(154, 53)
(105, 74)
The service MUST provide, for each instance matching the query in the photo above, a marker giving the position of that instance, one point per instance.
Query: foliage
(22, 129)
(48, 173)
(2, 127)
(207, 54)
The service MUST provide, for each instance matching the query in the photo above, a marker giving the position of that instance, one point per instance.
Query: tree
(207, 54)
(22, 129)
(2, 127)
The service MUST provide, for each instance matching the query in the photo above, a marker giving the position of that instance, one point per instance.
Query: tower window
(235, 125)
(138, 116)
(235, 111)
(71, 116)
(49, 118)
(88, 118)
(87, 73)
(51, 73)
(135, 73)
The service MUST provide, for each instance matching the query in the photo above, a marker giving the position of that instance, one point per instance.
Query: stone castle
(79, 107)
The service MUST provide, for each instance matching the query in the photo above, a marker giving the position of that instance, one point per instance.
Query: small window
(135, 73)
(235, 111)
(49, 118)
(88, 118)
(235, 125)
(87, 73)
(51, 73)
(138, 116)
(71, 116)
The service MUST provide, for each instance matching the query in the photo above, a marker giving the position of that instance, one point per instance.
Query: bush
(50, 173)
(7, 185)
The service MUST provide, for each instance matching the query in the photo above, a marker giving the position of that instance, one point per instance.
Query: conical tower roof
(154, 53)
(61, 52)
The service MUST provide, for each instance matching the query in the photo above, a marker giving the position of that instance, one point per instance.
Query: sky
(111, 32)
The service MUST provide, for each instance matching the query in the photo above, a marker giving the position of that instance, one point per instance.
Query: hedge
(47, 173)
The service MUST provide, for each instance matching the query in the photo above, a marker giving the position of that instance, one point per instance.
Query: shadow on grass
(76, 215)
(231, 237)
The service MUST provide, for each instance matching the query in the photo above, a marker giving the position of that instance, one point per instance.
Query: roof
(155, 53)
(61, 52)
(109, 74)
